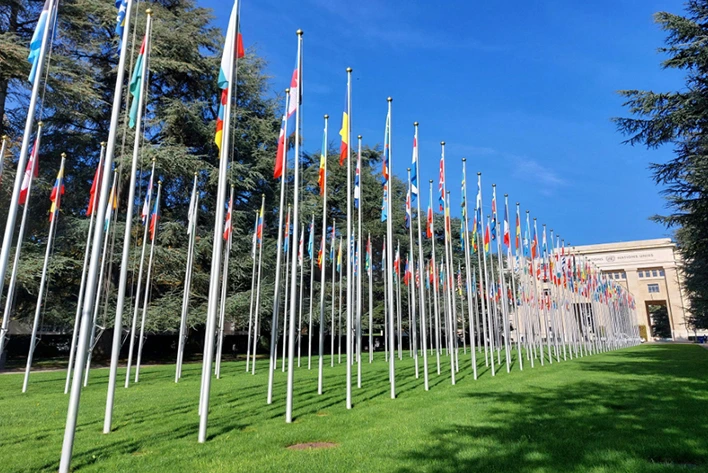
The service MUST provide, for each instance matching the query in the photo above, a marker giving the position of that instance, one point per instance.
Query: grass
(642, 409)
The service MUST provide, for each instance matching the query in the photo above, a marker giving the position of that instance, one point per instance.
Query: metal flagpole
(257, 312)
(20, 236)
(421, 265)
(358, 267)
(52, 230)
(411, 284)
(296, 217)
(191, 231)
(123, 280)
(389, 259)
(341, 294)
(82, 287)
(138, 291)
(312, 284)
(398, 299)
(371, 300)
(301, 264)
(148, 279)
(470, 291)
(231, 82)
(91, 288)
(22, 164)
(448, 267)
(286, 303)
(511, 264)
(488, 330)
(435, 285)
(334, 295)
(253, 295)
(278, 258)
(323, 245)
(224, 286)
(349, 239)
(502, 284)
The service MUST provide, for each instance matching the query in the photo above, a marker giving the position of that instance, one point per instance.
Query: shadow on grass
(636, 410)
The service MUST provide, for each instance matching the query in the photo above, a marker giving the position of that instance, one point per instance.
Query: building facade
(649, 269)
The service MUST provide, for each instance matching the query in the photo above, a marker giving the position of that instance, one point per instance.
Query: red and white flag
(31, 172)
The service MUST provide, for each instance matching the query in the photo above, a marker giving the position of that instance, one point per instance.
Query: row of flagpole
(548, 298)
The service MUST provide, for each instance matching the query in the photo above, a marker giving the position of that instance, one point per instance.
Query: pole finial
(409, 169)
(506, 195)
(389, 99)
(349, 70)
(103, 144)
(159, 183)
(263, 196)
(416, 123)
(154, 160)
(40, 124)
(195, 173)
(4, 137)
(431, 181)
(326, 117)
(479, 173)
(464, 160)
(63, 155)
(359, 137)
(494, 185)
(299, 32)
(148, 11)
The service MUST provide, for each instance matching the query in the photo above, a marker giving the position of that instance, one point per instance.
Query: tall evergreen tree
(680, 119)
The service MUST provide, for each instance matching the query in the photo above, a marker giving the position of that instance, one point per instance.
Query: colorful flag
(311, 241)
(494, 213)
(518, 228)
(255, 237)
(227, 224)
(384, 206)
(386, 150)
(357, 187)
(344, 133)
(57, 192)
(441, 183)
(414, 169)
(286, 232)
(429, 226)
(323, 165)
(367, 262)
(122, 6)
(320, 253)
(295, 96)
(31, 172)
(300, 248)
(280, 154)
(408, 210)
(95, 186)
(112, 205)
(226, 71)
(486, 239)
(507, 236)
(534, 242)
(35, 46)
(153, 220)
(406, 273)
(146, 203)
(135, 82)
(334, 242)
(339, 257)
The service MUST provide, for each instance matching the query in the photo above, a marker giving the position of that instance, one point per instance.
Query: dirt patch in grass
(312, 446)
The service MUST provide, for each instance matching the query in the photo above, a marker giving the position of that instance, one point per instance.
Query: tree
(680, 119)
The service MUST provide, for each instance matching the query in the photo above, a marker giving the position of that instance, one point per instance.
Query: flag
(344, 132)
(367, 262)
(227, 224)
(527, 238)
(339, 257)
(280, 154)
(286, 231)
(494, 229)
(486, 239)
(386, 150)
(320, 253)
(429, 226)
(518, 227)
(146, 203)
(334, 242)
(57, 192)
(295, 96)
(192, 215)
(406, 273)
(95, 185)
(534, 242)
(494, 214)
(408, 209)
(323, 164)
(112, 205)
(384, 207)
(300, 248)
(311, 242)
(36, 41)
(153, 220)
(507, 236)
(255, 237)
(397, 263)
(122, 6)
(441, 182)
(414, 169)
(357, 187)
(136, 80)
(31, 172)
(226, 71)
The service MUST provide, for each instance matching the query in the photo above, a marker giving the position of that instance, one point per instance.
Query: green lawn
(643, 409)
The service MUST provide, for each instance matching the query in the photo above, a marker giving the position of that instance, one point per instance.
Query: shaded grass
(643, 409)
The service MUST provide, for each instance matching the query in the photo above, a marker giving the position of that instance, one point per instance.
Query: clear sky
(524, 90)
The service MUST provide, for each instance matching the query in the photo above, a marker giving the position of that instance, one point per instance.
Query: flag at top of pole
(136, 80)
(357, 177)
(441, 182)
(311, 241)
(227, 223)
(36, 41)
(146, 203)
(323, 165)
(31, 172)
(344, 131)
(57, 192)
(153, 219)
(414, 168)
(122, 6)
(93, 193)
(232, 51)
(429, 226)
(386, 150)
(507, 236)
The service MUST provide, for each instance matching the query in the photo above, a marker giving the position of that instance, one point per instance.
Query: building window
(640, 274)
(653, 288)
(661, 273)
(651, 273)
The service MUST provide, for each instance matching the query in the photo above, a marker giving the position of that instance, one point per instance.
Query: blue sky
(524, 90)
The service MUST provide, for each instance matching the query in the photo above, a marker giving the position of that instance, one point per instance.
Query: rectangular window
(640, 274)
(654, 273)
(653, 288)
(661, 273)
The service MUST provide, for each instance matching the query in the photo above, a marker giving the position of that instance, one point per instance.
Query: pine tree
(680, 119)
